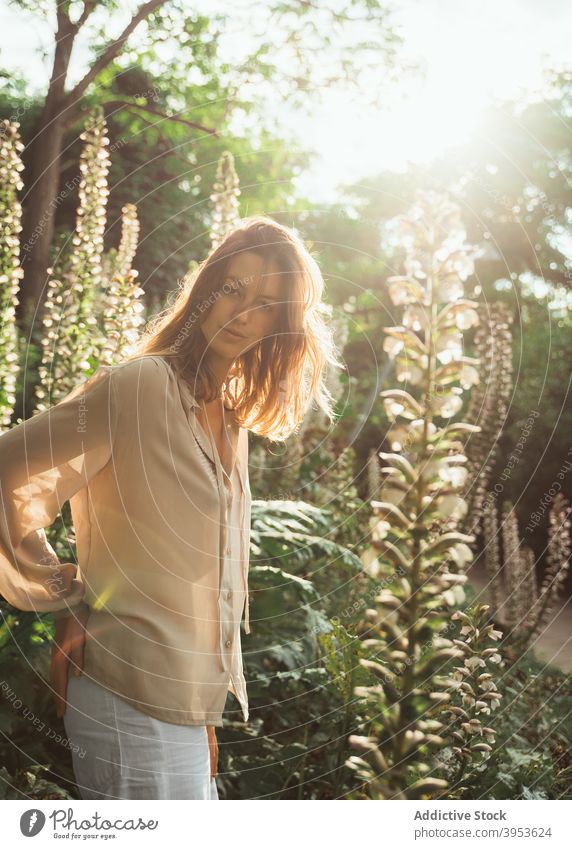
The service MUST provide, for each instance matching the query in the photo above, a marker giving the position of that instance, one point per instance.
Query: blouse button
(228, 643)
(228, 549)
(229, 594)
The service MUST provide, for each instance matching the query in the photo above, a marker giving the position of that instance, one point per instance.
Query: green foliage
(533, 752)
(32, 782)
(299, 665)
(298, 537)
(34, 756)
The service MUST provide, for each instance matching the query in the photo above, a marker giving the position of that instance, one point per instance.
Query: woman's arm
(44, 461)
(213, 749)
(67, 652)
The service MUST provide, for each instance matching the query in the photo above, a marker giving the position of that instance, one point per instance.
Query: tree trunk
(39, 217)
(40, 201)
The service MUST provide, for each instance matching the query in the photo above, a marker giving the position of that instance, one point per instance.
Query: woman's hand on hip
(67, 653)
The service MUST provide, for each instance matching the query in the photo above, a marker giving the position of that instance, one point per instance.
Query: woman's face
(247, 306)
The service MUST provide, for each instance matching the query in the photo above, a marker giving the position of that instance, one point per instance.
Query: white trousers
(119, 752)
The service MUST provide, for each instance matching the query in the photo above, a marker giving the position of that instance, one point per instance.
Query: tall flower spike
(475, 696)
(225, 199)
(11, 271)
(373, 474)
(118, 263)
(513, 575)
(421, 554)
(558, 560)
(492, 556)
(121, 306)
(70, 332)
(488, 406)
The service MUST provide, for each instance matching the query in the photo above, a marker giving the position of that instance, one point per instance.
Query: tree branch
(88, 7)
(110, 53)
(192, 124)
(171, 152)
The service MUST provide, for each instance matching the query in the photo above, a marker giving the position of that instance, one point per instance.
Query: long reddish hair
(272, 384)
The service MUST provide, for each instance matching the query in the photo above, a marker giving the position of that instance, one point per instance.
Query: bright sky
(472, 51)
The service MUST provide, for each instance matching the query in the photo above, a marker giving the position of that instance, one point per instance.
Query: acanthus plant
(415, 526)
(519, 602)
(11, 271)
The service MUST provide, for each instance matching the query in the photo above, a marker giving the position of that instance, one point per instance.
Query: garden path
(554, 644)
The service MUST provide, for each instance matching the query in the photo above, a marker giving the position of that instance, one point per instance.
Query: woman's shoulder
(137, 376)
(142, 367)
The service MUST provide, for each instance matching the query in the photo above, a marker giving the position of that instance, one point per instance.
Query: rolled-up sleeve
(44, 461)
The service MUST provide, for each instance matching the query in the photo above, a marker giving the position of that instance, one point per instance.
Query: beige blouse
(162, 534)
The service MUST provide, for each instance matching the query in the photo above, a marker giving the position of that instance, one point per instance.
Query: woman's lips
(233, 334)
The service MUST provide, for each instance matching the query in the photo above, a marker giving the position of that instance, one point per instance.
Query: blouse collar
(232, 428)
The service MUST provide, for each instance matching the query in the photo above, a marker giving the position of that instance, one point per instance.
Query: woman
(153, 456)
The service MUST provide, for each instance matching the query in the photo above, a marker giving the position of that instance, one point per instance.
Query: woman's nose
(242, 315)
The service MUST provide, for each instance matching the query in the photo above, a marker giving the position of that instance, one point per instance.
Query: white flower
(449, 404)
(432, 468)
(455, 475)
(474, 662)
(392, 346)
(448, 349)
(398, 437)
(461, 554)
(468, 376)
(414, 268)
(466, 318)
(462, 264)
(456, 594)
(415, 317)
(409, 372)
(414, 736)
(460, 673)
(380, 530)
(393, 408)
(452, 506)
(417, 428)
(403, 290)
(450, 288)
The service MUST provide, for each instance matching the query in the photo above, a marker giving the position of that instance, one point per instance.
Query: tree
(60, 109)
(165, 19)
